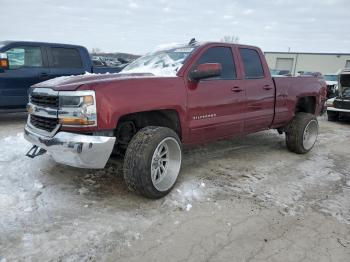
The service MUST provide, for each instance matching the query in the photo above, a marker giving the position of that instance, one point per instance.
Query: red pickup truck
(183, 95)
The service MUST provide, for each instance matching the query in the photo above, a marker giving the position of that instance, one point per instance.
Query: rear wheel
(332, 116)
(302, 132)
(152, 161)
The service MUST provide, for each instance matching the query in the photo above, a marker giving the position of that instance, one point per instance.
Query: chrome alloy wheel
(166, 163)
(310, 134)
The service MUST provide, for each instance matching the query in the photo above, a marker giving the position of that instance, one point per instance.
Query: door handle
(43, 75)
(236, 89)
(267, 87)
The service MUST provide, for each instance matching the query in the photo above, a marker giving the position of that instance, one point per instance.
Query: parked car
(340, 105)
(26, 63)
(332, 84)
(191, 94)
(96, 61)
(276, 72)
(310, 73)
(110, 61)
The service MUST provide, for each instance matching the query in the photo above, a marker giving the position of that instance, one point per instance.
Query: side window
(223, 56)
(252, 63)
(66, 57)
(24, 56)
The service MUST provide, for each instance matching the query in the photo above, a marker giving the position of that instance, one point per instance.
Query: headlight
(70, 101)
(77, 108)
(330, 102)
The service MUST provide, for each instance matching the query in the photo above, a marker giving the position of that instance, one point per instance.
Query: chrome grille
(45, 123)
(341, 104)
(44, 100)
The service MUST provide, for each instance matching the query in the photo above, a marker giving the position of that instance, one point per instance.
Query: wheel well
(129, 124)
(306, 104)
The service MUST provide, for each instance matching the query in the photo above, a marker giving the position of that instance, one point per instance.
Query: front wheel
(152, 161)
(302, 132)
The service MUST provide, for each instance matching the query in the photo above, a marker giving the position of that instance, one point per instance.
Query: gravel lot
(236, 200)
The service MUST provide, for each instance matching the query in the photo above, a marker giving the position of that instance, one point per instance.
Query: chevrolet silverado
(183, 95)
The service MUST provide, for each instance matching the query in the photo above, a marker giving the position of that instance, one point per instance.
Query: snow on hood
(78, 80)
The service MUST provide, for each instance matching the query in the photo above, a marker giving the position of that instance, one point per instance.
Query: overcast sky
(138, 26)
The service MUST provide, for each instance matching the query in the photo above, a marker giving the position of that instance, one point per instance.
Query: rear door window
(223, 56)
(24, 56)
(252, 63)
(65, 57)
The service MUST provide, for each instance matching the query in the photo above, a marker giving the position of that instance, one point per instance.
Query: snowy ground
(236, 200)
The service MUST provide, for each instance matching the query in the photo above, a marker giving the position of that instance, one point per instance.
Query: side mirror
(203, 71)
(122, 60)
(4, 62)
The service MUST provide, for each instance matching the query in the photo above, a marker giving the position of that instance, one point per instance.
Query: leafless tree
(230, 39)
(95, 50)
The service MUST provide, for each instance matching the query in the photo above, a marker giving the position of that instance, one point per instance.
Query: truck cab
(23, 64)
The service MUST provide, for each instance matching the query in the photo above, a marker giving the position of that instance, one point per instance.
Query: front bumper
(75, 150)
(329, 108)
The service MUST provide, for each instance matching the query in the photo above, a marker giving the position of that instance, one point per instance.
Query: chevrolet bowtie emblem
(30, 109)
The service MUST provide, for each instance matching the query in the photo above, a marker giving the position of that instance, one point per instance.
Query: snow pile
(12, 148)
(38, 185)
(186, 194)
(14, 165)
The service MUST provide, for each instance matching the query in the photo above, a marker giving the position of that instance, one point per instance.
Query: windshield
(331, 77)
(160, 63)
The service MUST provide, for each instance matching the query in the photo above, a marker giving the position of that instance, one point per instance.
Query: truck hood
(72, 83)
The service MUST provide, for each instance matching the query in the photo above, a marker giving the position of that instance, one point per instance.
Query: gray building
(316, 62)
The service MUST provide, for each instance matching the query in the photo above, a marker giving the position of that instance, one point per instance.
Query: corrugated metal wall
(324, 63)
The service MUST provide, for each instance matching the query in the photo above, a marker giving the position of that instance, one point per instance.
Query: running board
(35, 151)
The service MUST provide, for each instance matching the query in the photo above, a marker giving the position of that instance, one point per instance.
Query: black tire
(295, 132)
(138, 159)
(332, 116)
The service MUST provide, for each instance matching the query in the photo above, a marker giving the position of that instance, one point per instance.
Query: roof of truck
(7, 42)
(228, 43)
